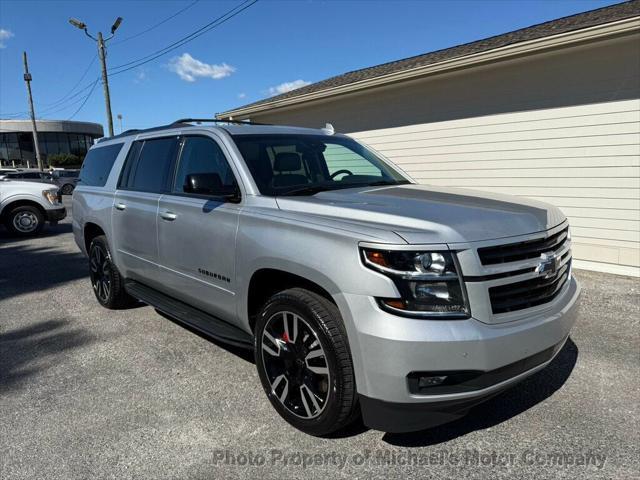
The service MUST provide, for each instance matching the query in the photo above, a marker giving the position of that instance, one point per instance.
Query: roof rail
(134, 131)
(215, 120)
(182, 122)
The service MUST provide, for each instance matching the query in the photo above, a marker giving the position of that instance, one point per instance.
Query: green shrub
(67, 160)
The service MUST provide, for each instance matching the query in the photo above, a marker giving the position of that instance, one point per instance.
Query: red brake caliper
(285, 337)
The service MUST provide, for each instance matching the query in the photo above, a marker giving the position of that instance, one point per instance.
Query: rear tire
(106, 280)
(67, 189)
(300, 335)
(25, 220)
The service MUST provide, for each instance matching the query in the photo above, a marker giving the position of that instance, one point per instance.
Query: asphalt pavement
(91, 393)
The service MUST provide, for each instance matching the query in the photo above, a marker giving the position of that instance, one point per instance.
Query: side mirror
(210, 184)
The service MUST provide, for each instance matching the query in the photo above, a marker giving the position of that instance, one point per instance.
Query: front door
(197, 232)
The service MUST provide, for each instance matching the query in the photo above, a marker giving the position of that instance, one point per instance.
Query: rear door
(197, 233)
(144, 179)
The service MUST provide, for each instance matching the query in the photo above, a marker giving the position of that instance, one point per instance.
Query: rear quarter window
(97, 165)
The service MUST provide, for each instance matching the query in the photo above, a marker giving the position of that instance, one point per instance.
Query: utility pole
(105, 82)
(120, 119)
(102, 54)
(27, 80)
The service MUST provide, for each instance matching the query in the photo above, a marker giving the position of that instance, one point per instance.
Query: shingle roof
(579, 21)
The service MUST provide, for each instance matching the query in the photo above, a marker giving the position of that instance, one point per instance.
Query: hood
(26, 186)
(422, 214)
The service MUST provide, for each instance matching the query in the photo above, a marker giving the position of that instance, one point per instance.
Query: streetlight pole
(120, 119)
(105, 82)
(102, 54)
(27, 80)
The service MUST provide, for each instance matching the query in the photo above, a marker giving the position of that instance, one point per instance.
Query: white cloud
(141, 76)
(287, 87)
(4, 35)
(189, 68)
(242, 95)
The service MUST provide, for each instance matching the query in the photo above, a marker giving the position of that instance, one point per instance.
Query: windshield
(308, 164)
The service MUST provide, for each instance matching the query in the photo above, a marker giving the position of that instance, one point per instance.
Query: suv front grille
(529, 293)
(514, 252)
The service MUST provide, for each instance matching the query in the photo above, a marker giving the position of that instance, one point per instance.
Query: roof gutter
(628, 25)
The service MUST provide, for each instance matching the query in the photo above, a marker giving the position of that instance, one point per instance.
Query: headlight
(51, 196)
(428, 282)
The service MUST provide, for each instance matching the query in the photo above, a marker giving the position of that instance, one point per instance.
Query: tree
(66, 160)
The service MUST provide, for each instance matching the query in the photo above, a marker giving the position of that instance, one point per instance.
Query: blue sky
(269, 47)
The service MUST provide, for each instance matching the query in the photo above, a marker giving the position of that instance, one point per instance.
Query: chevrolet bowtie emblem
(549, 264)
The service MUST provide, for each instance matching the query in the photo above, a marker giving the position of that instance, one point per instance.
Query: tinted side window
(203, 155)
(97, 165)
(151, 171)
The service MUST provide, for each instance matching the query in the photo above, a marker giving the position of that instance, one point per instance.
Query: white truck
(26, 206)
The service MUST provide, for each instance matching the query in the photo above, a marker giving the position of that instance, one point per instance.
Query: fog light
(431, 381)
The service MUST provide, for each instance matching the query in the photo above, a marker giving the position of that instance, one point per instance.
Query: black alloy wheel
(107, 283)
(304, 362)
(100, 266)
(295, 364)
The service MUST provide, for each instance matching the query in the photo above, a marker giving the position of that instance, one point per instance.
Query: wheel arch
(267, 281)
(89, 232)
(20, 203)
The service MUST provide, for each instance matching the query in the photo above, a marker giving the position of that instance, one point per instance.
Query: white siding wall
(584, 159)
(561, 126)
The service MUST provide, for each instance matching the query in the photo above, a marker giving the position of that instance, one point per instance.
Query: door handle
(120, 206)
(170, 216)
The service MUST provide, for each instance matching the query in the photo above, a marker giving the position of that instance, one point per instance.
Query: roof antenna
(328, 129)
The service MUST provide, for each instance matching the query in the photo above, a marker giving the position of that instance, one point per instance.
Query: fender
(282, 265)
(23, 196)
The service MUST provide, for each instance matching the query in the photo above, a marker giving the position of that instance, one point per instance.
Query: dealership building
(551, 111)
(54, 136)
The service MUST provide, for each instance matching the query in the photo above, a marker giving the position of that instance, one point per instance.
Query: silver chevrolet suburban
(360, 292)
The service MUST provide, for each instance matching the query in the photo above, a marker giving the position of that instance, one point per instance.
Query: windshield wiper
(310, 190)
(313, 189)
(387, 182)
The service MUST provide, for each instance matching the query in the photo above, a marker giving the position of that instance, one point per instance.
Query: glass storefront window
(63, 143)
(4, 153)
(16, 148)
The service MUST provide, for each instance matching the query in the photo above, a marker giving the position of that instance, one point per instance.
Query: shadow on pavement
(512, 402)
(25, 269)
(48, 231)
(27, 351)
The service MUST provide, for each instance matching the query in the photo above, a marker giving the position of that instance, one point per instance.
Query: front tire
(304, 363)
(107, 283)
(67, 189)
(25, 220)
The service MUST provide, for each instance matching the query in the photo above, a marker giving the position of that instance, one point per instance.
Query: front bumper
(56, 214)
(386, 348)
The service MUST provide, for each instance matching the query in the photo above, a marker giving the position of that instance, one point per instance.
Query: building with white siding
(551, 112)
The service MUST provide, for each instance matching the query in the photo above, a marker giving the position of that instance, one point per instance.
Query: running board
(208, 324)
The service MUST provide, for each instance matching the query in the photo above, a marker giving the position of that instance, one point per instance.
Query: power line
(63, 100)
(126, 39)
(69, 105)
(64, 97)
(201, 31)
(85, 99)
